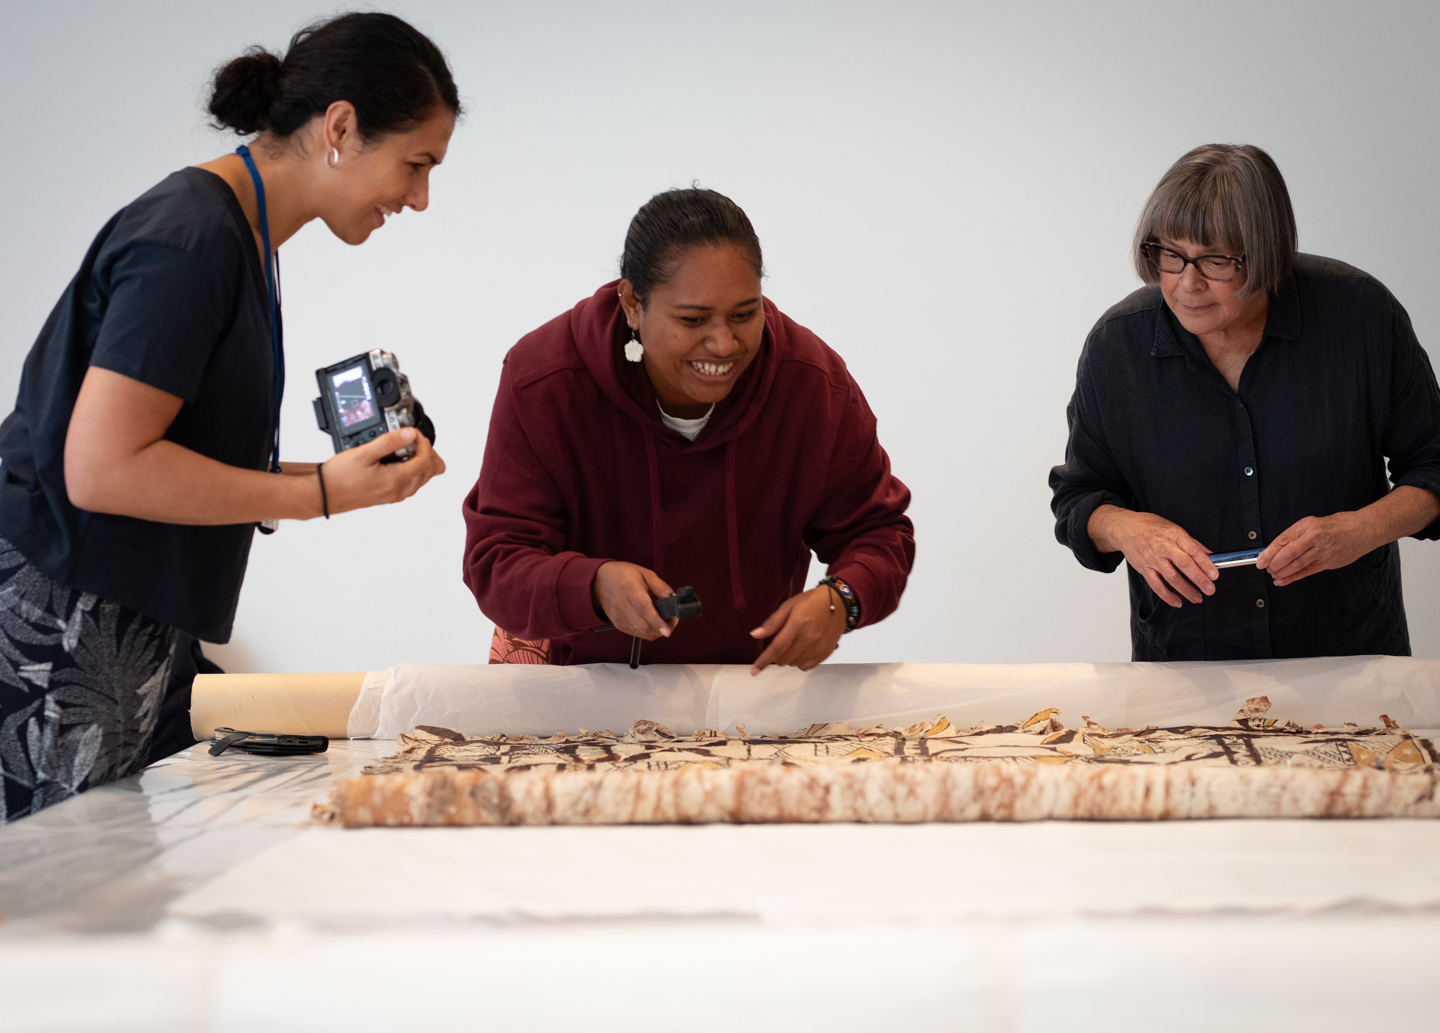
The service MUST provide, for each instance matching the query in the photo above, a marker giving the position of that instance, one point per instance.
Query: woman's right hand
(356, 478)
(626, 593)
(1161, 551)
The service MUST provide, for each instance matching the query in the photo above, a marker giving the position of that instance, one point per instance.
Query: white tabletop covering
(198, 896)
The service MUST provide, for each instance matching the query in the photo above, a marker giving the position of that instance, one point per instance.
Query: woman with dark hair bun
(144, 446)
(677, 429)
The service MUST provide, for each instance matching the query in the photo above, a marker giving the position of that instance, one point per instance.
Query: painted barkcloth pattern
(931, 771)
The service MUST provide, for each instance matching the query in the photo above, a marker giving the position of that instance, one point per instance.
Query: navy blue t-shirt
(172, 294)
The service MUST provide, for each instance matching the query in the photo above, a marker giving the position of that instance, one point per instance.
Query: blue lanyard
(270, 284)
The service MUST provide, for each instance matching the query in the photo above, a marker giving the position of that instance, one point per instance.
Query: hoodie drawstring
(732, 519)
(732, 528)
(657, 529)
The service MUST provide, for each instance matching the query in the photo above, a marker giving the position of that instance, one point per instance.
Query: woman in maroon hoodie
(677, 429)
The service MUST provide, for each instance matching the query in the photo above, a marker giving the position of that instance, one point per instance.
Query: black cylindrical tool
(683, 605)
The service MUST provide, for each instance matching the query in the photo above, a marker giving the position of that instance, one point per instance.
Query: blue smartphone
(1235, 559)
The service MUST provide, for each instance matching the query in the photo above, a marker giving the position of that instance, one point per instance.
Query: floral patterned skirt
(81, 682)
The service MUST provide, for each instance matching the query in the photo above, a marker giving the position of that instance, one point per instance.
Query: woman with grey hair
(1248, 398)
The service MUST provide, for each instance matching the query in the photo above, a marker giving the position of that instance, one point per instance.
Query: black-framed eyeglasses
(1220, 268)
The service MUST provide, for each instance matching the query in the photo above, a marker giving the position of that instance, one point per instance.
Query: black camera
(366, 396)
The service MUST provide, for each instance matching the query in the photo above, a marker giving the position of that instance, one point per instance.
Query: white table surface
(199, 896)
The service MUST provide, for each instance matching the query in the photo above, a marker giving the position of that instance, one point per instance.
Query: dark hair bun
(245, 92)
(390, 71)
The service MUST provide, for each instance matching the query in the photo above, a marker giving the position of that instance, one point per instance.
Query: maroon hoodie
(580, 470)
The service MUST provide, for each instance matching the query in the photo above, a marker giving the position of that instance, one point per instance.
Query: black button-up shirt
(1338, 384)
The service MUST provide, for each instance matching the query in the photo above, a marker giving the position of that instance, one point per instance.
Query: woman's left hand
(1313, 544)
(803, 631)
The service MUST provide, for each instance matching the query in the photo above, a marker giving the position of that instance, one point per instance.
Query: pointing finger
(774, 653)
(778, 651)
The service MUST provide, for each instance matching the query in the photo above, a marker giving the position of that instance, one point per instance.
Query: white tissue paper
(365, 714)
(528, 699)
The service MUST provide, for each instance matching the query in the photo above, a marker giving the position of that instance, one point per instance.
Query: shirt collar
(1282, 320)
(1166, 345)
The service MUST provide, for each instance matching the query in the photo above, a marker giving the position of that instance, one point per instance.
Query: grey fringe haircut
(1230, 197)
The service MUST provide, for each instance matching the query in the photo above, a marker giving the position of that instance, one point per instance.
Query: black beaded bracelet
(847, 599)
(324, 498)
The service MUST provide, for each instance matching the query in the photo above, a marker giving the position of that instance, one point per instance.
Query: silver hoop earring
(333, 158)
(634, 350)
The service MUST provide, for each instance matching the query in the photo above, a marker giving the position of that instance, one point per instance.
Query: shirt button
(1252, 536)
(1260, 603)
(1248, 471)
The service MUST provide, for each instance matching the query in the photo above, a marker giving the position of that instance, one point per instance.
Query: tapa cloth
(931, 771)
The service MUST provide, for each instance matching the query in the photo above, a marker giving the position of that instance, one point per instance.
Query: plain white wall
(945, 193)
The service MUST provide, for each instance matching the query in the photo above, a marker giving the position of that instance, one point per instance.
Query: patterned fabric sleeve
(505, 648)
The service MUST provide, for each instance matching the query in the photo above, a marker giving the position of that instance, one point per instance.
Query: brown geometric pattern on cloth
(930, 771)
(505, 648)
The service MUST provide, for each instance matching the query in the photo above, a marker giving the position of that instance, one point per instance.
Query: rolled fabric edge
(877, 792)
(295, 704)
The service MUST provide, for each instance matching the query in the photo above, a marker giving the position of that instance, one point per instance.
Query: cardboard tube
(297, 704)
